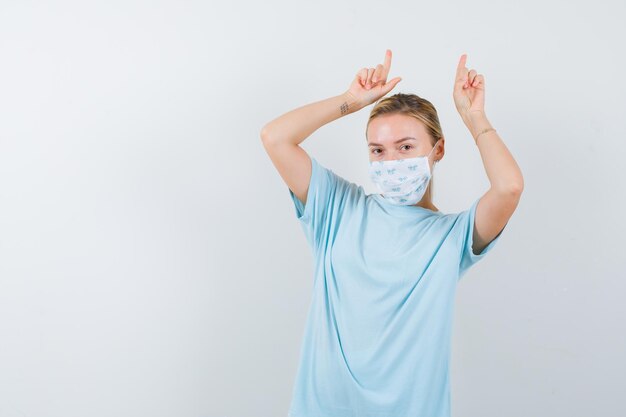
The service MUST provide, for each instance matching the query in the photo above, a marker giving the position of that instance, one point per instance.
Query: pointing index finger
(461, 65)
(387, 63)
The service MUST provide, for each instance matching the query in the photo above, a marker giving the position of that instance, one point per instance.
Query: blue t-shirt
(377, 337)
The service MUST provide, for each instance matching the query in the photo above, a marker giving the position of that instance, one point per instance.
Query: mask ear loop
(431, 151)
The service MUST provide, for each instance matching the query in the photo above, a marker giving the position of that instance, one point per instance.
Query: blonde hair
(414, 106)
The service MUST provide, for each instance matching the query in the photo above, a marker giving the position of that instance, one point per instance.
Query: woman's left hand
(469, 90)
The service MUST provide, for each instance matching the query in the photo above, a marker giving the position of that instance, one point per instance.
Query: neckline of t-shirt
(411, 209)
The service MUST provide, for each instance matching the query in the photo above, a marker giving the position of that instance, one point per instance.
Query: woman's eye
(408, 146)
(374, 151)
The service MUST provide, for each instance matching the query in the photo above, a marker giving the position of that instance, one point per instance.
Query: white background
(151, 263)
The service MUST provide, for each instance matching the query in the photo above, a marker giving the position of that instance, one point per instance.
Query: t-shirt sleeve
(466, 223)
(327, 197)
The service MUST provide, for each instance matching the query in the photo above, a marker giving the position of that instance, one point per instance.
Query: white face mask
(402, 181)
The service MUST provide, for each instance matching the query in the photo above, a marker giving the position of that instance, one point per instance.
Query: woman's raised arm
(282, 136)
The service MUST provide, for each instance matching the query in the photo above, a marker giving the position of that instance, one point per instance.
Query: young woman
(377, 338)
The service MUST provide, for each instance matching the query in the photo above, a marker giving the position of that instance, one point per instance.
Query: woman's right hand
(370, 84)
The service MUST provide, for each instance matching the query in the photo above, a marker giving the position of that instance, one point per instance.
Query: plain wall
(151, 263)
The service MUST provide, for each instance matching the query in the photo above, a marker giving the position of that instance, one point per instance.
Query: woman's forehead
(397, 137)
(389, 129)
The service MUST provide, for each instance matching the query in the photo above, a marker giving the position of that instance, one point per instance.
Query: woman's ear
(442, 140)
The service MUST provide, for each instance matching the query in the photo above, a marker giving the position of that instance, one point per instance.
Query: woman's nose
(389, 157)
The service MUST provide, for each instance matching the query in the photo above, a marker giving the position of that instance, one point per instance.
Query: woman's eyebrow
(398, 141)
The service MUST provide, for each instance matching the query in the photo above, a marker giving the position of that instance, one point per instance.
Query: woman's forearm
(503, 172)
(298, 124)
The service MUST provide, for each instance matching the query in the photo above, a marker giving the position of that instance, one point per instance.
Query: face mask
(402, 181)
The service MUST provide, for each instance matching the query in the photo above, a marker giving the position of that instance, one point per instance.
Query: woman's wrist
(477, 123)
(350, 104)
